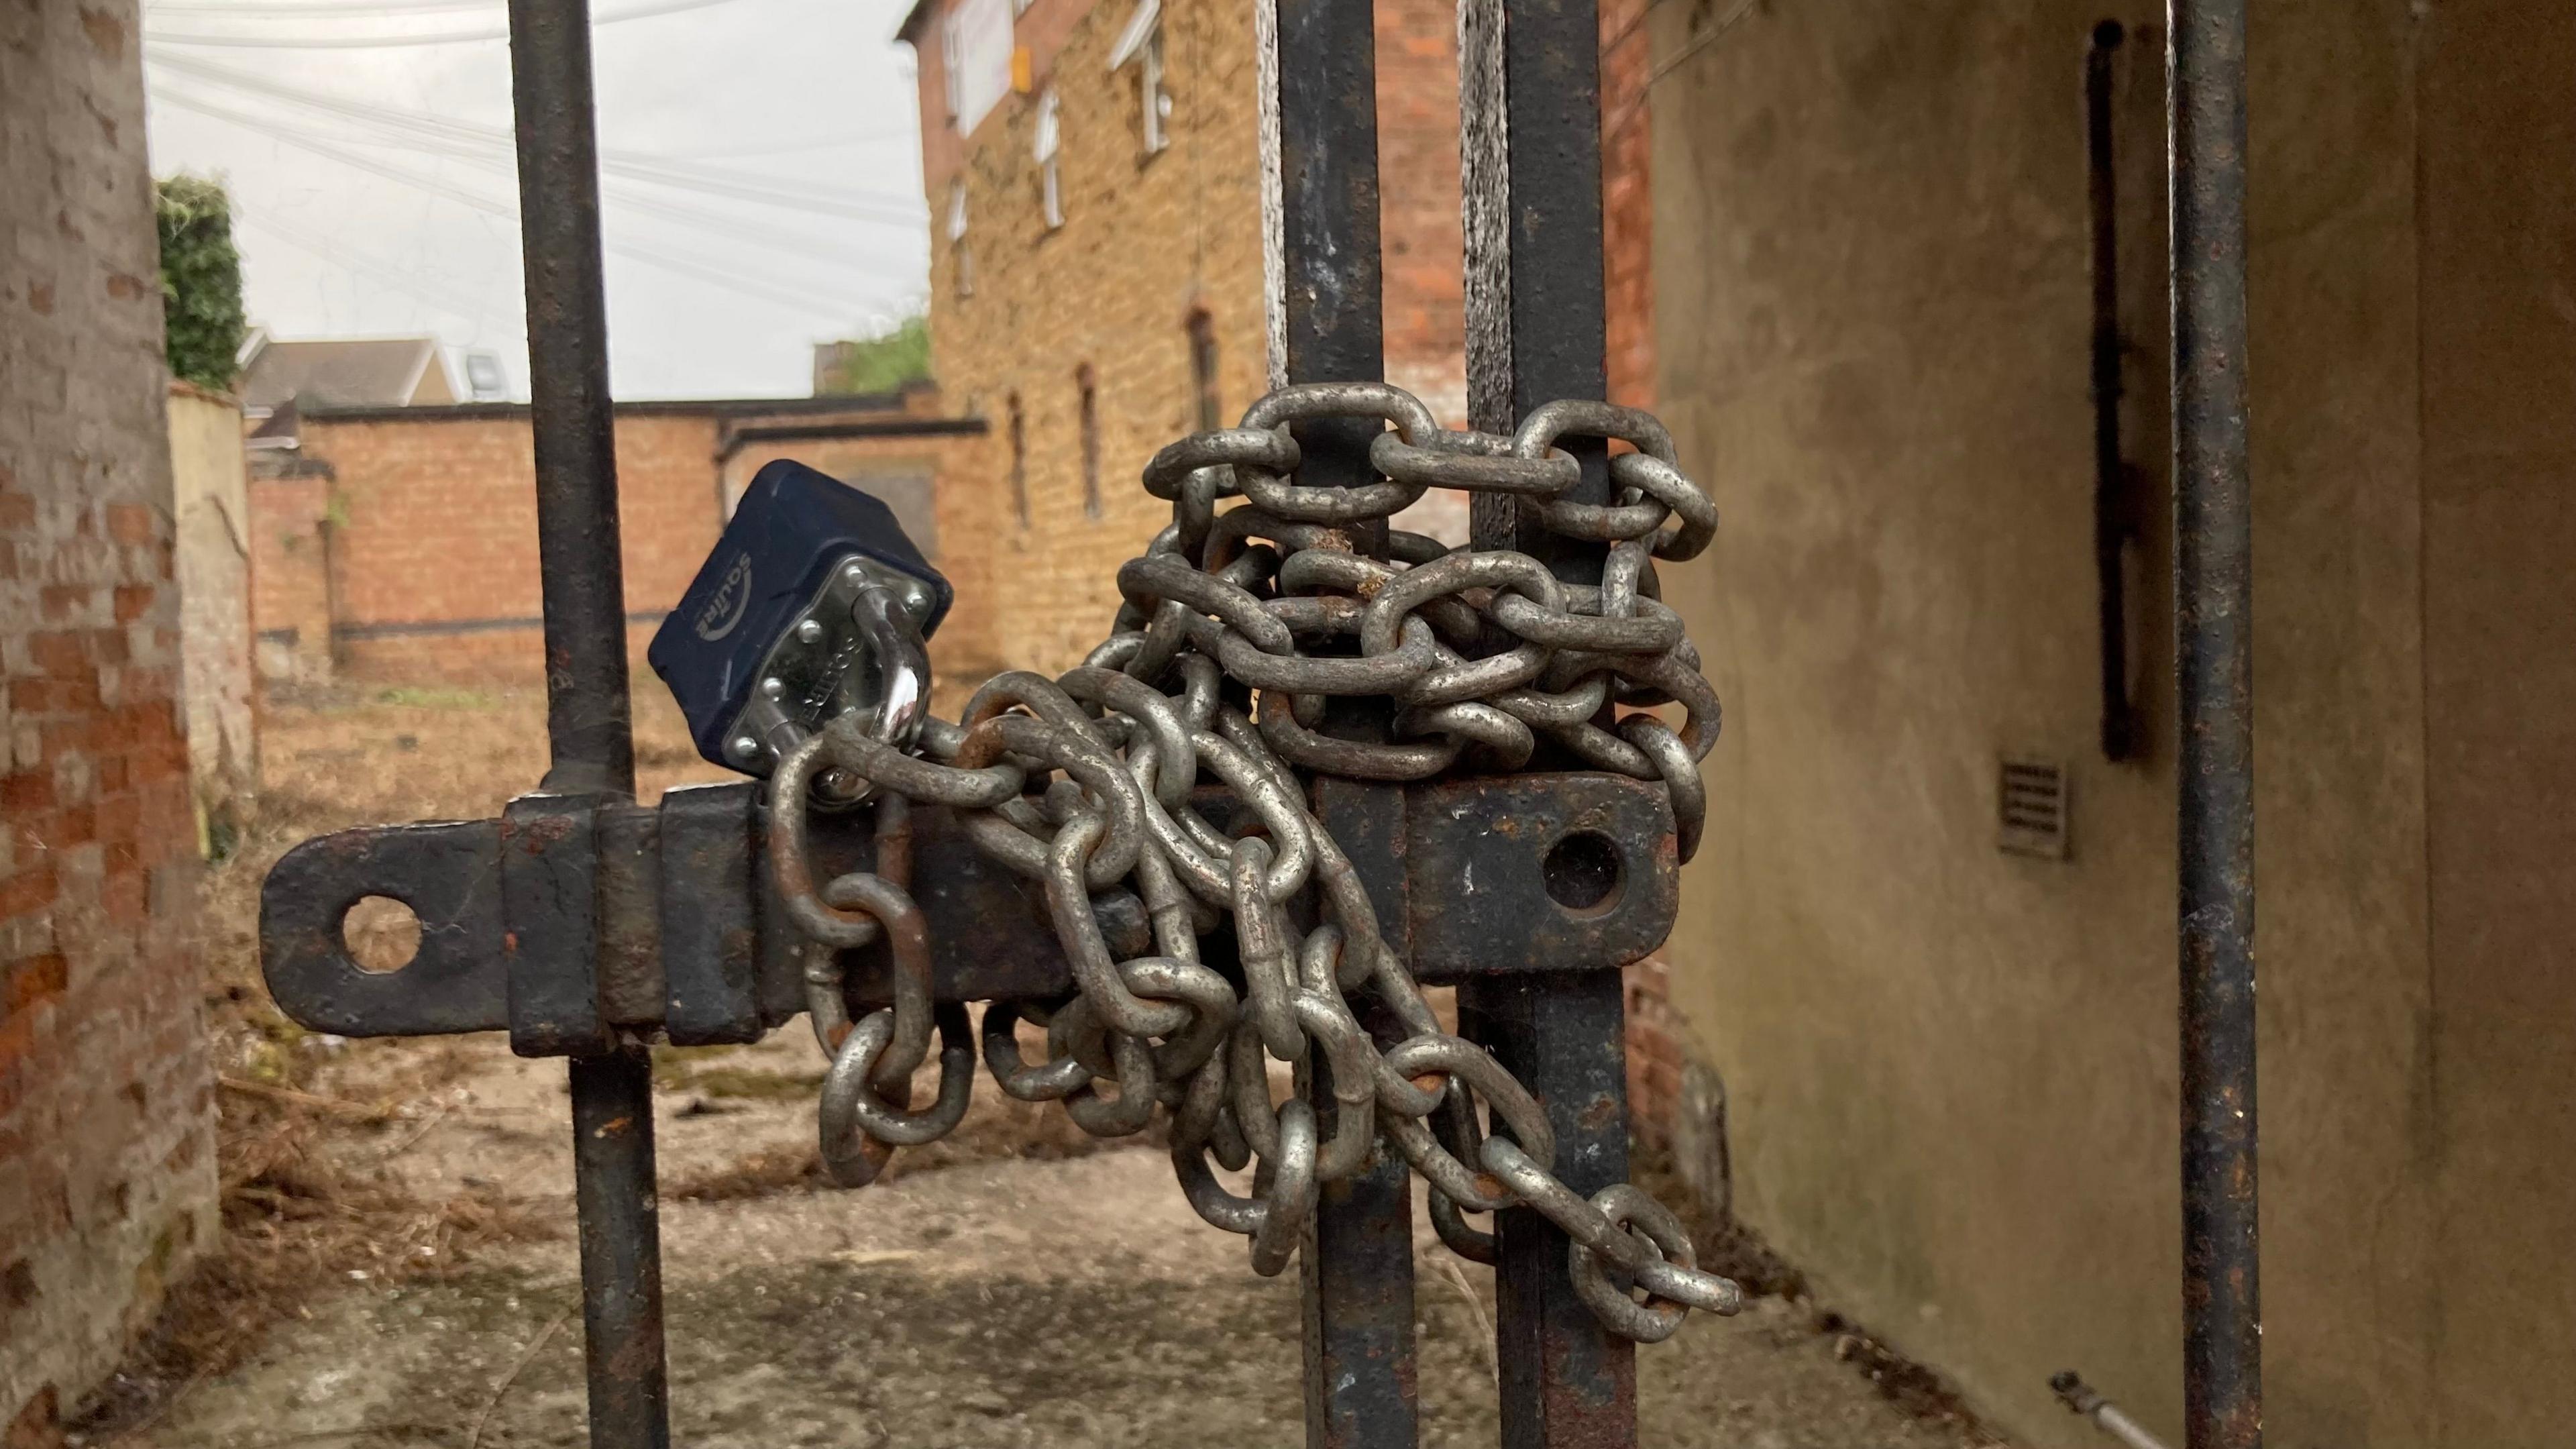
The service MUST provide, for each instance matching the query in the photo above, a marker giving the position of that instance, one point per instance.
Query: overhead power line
(385, 273)
(683, 266)
(391, 42)
(497, 160)
(424, 128)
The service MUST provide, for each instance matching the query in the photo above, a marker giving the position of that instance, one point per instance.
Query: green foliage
(880, 363)
(201, 285)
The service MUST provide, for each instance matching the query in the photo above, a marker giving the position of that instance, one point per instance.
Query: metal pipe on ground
(2087, 1403)
(2213, 625)
(588, 721)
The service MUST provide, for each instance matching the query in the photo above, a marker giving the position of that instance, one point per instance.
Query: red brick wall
(1654, 1052)
(290, 570)
(433, 551)
(412, 544)
(1627, 208)
(1419, 235)
(106, 1148)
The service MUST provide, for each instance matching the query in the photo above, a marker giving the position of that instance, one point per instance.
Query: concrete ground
(1000, 1302)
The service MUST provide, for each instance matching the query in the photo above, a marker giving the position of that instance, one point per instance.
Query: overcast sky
(375, 193)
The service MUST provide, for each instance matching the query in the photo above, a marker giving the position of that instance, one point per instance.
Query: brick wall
(1423, 250)
(290, 571)
(1627, 208)
(404, 540)
(106, 1146)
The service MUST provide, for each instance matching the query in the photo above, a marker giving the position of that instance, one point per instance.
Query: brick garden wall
(1419, 235)
(401, 544)
(106, 1120)
(1627, 206)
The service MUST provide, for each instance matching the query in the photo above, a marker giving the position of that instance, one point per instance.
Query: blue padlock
(813, 605)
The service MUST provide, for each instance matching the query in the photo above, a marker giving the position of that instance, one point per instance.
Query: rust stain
(613, 1126)
(106, 32)
(1600, 1115)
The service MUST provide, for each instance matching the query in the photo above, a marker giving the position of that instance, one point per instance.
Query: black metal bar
(1568, 1383)
(587, 707)
(2115, 518)
(1356, 1263)
(1530, 92)
(2213, 593)
(621, 1250)
(723, 961)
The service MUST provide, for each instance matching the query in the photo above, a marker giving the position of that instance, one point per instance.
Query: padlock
(813, 605)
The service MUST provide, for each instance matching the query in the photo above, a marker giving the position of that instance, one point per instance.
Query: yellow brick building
(1092, 316)
(1094, 178)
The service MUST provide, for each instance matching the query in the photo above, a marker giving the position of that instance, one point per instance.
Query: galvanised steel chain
(1083, 783)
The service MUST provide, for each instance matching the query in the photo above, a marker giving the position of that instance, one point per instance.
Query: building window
(1019, 461)
(1088, 382)
(1202, 329)
(1141, 44)
(952, 65)
(1156, 103)
(961, 256)
(1050, 176)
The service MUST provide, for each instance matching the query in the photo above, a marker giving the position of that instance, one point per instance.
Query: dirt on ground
(398, 1265)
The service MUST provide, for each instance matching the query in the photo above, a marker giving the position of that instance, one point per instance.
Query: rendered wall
(213, 529)
(1950, 1071)
(2499, 328)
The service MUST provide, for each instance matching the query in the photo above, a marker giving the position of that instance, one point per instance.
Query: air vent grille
(2031, 810)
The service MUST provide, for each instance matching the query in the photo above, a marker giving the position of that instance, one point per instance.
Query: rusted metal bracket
(572, 922)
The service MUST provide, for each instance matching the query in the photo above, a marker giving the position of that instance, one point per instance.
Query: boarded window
(977, 47)
(1048, 143)
(1211, 408)
(1088, 384)
(1019, 461)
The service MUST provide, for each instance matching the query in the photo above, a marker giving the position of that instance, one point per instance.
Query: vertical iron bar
(2213, 592)
(1530, 99)
(1356, 1264)
(621, 1251)
(587, 710)
(2114, 507)
(587, 707)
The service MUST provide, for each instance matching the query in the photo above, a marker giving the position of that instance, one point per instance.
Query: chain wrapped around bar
(1237, 626)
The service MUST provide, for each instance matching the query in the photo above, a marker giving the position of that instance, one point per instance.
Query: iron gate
(586, 925)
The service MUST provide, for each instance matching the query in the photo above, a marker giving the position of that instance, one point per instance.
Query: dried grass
(996, 1128)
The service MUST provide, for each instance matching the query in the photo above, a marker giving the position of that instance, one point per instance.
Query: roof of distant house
(345, 372)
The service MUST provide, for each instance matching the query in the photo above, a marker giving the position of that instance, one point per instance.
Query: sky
(764, 186)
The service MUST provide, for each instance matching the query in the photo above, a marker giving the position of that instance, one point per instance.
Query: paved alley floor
(1001, 1302)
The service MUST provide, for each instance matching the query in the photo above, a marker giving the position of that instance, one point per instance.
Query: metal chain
(1237, 626)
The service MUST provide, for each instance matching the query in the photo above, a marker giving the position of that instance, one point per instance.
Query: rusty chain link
(1237, 626)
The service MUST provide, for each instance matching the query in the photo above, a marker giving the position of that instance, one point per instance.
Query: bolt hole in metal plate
(382, 934)
(1583, 872)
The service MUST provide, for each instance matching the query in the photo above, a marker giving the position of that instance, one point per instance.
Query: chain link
(1236, 627)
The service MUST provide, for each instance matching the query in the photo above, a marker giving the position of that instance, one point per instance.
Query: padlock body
(792, 529)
